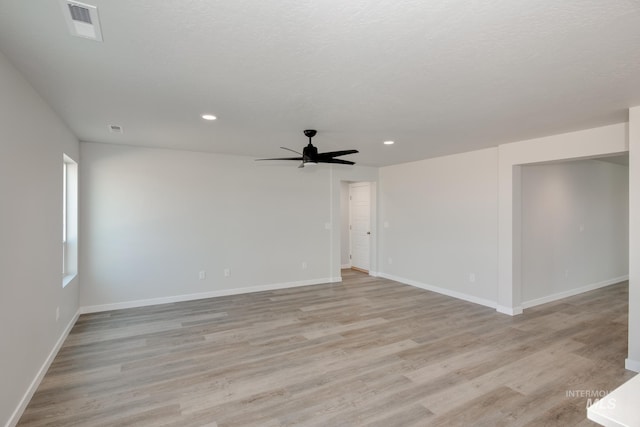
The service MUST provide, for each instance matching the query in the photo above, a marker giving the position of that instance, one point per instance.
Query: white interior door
(360, 224)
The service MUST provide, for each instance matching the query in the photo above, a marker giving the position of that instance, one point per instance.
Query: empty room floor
(364, 352)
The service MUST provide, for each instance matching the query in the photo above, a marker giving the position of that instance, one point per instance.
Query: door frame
(350, 224)
(338, 219)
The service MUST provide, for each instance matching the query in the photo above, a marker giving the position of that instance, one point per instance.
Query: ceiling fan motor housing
(310, 153)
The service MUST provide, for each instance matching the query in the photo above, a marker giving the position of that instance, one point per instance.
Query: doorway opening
(357, 221)
(574, 227)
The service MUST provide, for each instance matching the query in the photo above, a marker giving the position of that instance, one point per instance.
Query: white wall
(344, 224)
(152, 219)
(442, 224)
(32, 143)
(575, 231)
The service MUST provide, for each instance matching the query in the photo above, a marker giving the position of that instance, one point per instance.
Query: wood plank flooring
(366, 352)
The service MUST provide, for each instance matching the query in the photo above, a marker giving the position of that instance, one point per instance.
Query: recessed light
(388, 143)
(209, 117)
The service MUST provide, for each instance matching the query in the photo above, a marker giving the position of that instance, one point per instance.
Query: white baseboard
(26, 398)
(443, 291)
(572, 292)
(632, 365)
(511, 311)
(203, 295)
(374, 273)
(343, 266)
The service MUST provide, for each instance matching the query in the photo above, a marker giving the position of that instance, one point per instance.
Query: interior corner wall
(32, 142)
(575, 232)
(439, 224)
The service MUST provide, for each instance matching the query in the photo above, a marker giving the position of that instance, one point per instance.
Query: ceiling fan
(310, 155)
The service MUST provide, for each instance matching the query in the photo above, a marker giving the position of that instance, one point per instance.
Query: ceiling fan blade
(283, 158)
(337, 153)
(342, 162)
(293, 151)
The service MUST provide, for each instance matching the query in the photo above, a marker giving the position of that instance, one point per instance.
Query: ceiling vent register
(82, 20)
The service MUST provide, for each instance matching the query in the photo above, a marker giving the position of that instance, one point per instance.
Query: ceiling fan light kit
(310, 155)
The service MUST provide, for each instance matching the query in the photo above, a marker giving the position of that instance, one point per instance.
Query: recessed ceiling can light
(209, 117)
(388, 142)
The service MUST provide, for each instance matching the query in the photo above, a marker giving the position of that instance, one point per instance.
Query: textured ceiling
(438, 77)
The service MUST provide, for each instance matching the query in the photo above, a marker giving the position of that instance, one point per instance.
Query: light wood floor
(365, 352)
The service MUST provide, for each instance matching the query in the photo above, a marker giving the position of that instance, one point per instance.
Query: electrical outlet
(472, 277)
(227, 272)
(57, 313)
(202, 275)
(327, 226)
(304, 264)
(390, 260)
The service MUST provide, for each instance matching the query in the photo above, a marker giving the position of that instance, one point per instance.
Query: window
(69, 220)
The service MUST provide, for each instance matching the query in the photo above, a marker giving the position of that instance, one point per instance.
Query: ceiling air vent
(79, 13)
(115, 128)
(82, 20)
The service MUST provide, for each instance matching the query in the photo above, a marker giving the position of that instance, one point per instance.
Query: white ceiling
(438, 77)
